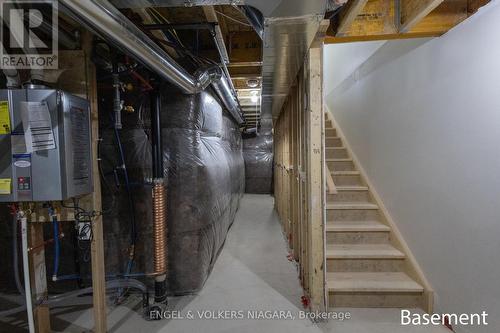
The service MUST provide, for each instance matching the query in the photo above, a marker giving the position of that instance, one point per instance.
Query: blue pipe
(133, 233)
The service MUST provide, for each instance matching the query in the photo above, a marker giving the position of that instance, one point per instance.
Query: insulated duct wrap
(258, 155)
(203, 161)
(204, 180)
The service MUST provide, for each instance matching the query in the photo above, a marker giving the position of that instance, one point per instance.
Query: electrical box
(45, 145)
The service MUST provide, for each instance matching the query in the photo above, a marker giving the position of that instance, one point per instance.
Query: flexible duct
(105, 19)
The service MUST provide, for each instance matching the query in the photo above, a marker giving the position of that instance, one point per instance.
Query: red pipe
(139, 77)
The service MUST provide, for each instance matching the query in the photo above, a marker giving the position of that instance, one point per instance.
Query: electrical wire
(85, 217)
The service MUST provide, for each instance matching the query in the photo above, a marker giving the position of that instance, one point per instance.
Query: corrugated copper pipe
(159, 228)
(159, 202)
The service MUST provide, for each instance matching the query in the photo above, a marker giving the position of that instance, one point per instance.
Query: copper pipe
(159, 227)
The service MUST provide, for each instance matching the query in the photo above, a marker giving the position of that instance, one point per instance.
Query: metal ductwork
(289, 29)
(106, 20)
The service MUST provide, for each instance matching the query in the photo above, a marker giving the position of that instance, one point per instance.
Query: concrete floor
(251, 273)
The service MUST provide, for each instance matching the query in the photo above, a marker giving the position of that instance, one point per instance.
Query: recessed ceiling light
(252, 83)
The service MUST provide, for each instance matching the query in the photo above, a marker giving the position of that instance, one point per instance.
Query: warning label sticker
(5, 185)
(4, 118)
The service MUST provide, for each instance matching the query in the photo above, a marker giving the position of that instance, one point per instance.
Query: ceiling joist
(398, 19)
(413, 11)
(349, 14)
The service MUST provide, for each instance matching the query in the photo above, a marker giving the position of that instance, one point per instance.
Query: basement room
(249, 166)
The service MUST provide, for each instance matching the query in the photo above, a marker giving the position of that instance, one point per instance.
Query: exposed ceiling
(262, 71)
(363, 20)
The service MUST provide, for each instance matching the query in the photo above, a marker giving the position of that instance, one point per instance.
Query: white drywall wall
(423, 117)
(340, 60)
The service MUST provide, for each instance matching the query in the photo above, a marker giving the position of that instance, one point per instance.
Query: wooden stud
(93, 201)
(299, 168)
(413, 11)
(315, 180)
(38, 277)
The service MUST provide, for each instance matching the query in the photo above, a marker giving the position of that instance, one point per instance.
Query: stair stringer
(412, 267)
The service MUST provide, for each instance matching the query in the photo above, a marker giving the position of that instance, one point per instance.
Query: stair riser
(365, 265)
(352, 215)
(341, 166)
(333, 142)
(357, 237)
(330, 132)
(376, 300)
(336, 153)
(350, 196)
(347, 180)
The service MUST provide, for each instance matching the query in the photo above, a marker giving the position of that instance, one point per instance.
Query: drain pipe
(26, 270)
(159, 203)
(105, 19)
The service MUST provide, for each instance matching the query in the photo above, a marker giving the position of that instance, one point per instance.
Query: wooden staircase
(368, 263)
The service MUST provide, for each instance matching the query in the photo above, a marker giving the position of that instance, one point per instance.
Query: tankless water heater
(45, 145)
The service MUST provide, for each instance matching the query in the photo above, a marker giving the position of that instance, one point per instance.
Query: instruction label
(38, 131)
(5, 186)
(4, 118)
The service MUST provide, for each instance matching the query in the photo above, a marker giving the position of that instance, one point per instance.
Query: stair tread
(334, 148)
(372, 282)
(340, 160)
(357, 226)
(363, 251)
(352, 205)
(352, 188)
(345, 173)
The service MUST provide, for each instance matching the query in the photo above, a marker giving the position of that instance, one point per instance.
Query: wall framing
(299, 176)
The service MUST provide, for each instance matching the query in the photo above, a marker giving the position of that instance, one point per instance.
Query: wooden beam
(351, 39)
(474, 5)
(347, 15)
(211, 16)
(379, 20)
(444, 17)
(246, 64)
(315, 164)
(93, 201)
(38, 277)
(319, 39)
(413, 11)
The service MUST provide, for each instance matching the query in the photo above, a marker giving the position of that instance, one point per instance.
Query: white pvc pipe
(26, 271)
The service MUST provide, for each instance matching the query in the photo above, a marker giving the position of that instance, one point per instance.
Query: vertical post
(94, 199)
(315, 180)
(38, 277)
(27, 270)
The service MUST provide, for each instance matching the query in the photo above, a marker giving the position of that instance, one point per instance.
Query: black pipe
(161, 291)
(156, 134)
(155, 103)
